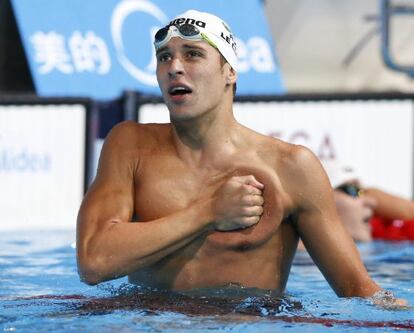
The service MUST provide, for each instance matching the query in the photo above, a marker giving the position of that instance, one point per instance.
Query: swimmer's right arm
(109, 247)
(391, 206)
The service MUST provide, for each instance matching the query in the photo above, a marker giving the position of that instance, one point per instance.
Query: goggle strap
(208, 40)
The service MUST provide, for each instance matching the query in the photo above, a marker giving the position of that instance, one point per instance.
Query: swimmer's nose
(176, 68)
(369, 201)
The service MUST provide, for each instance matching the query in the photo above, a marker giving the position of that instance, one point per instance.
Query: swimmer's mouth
(179, 90)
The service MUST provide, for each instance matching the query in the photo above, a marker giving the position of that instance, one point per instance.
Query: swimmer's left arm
(324, 236)
(321, 230)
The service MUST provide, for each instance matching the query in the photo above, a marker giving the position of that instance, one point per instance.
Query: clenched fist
(238, 203)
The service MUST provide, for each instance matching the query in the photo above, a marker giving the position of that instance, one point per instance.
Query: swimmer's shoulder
(292, 160)
(301, 172)
(131, 133)
(272, 146)
(283, 152)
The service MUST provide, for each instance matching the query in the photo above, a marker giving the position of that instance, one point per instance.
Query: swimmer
(204, 201)
(366, 211)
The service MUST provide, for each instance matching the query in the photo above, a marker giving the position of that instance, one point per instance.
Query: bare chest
(165, 187)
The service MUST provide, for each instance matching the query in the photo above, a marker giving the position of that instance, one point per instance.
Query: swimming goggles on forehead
(185, 31)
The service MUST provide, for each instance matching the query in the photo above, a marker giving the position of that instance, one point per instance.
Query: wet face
(192, 78)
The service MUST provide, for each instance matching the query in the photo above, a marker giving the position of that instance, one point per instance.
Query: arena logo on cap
(201, 24)
(183, 20)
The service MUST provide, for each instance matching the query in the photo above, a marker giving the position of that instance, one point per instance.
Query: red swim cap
(392, 230)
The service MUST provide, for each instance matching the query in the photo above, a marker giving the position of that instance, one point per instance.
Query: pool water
(40, 291)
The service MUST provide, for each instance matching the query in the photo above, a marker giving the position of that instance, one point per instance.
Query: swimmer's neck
(203, 126)
(202, 144)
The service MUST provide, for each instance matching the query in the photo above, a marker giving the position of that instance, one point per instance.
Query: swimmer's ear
(231, 76)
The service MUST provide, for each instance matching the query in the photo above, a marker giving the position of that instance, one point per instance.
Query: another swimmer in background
(204, 201)
(369, 212)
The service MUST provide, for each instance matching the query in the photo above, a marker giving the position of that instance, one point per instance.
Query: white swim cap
(211, 28)
(339, 173)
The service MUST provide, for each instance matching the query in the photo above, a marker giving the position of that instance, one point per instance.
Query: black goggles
(186, 31)
(350, 189)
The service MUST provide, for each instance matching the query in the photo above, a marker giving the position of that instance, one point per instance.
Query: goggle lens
(188, 30)
(350, 189)
(185, 30)
(161, 34)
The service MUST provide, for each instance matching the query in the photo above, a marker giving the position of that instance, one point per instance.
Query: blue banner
(98, 48)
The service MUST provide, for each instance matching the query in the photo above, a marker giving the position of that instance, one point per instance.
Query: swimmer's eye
(163, 57)
(194, 54)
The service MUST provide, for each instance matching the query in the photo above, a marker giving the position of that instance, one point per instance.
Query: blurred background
(326, 46)
(334, 75)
